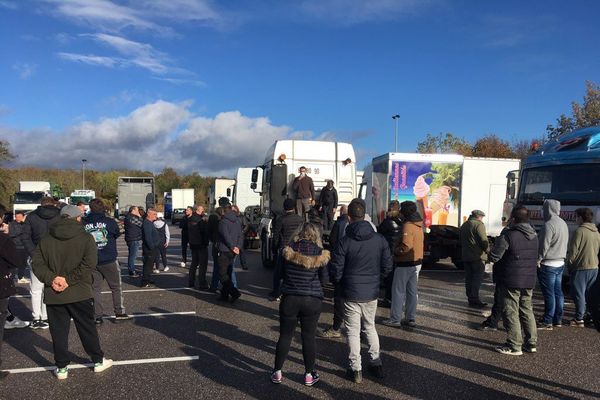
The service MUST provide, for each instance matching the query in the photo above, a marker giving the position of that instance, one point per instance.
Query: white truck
(82, 195)
(248, 201)
(323, 161)
(446, 188)
(221, 187)
(30, 195)
(182, 198)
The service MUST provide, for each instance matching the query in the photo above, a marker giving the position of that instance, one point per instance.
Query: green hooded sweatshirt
(67, 251)
(473, 240)
(584, 247)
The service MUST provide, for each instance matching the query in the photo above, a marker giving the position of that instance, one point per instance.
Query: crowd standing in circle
(72, 254)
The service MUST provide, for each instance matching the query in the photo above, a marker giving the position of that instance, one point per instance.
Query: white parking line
(155, 314)
(163, 273)
(123, 362)
(21, 296)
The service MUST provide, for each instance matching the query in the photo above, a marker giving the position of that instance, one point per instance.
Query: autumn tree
(492, 146)
(5, 155)
(443, 144)
(583, 115)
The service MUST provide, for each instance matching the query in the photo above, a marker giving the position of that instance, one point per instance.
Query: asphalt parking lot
(186, 344)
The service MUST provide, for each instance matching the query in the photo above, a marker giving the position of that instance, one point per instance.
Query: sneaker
(165, 270)
(23, 280)
(104, 365)
(330, 333)
(277, 377)
(134, 275)
(182, 264)
(477, 304)
(528, 348)
(354, 376)
(99, 321)
(544, 327)
(122, 317)
(487, 327)
(577, 323)
(16, 323)
(376, 371)
(558, 324)
(61, 373)
(311, 378)
(392, 323)
(273, 298)
(409, 323)
(156, 271)
(39, 324)
(505, 349)
(235, 296)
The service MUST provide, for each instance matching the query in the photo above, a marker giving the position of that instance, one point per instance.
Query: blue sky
(209, 85)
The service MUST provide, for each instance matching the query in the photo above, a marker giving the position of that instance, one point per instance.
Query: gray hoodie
(554, 235)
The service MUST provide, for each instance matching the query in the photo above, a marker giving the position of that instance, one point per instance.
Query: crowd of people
(72, 253)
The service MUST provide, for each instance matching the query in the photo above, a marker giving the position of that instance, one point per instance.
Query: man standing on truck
(305, 192)
(328, 202)
(474, 246)
(554, 239)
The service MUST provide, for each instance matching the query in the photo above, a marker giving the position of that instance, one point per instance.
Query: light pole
(83, 172)
(396, 118)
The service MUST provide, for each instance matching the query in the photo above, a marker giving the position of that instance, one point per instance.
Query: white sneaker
(16, 323)
(156, 271)
(182, 264)
(166, 269)
(104, 365)
(23, 281)
(61, 373)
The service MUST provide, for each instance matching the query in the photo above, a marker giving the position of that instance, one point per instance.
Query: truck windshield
(28, 198)
(570, 184)
(77, 199)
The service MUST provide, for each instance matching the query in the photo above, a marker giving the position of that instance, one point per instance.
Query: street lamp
(83, 172)
(396, 118)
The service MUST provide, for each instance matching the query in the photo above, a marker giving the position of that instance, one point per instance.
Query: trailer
(30, 195)
(135, 191)
(323, 161)
(221, 187)
(446, 188)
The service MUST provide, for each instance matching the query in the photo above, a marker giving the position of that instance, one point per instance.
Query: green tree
(583, 115)
(447, 143)
(5, 186)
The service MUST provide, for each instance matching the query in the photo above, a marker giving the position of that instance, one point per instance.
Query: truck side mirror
(228, 192)
(254, 177)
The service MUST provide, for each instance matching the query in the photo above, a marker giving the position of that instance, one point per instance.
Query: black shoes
(376, 371)
(354, 376)
(477, 304)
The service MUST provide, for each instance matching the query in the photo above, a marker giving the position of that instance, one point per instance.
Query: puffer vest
(519, 262)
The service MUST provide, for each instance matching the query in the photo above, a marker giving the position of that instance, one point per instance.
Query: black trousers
(225, 260)
(496, 315)
(59, 318)
(199, 264)
(474, 271)
(184, 246)
(338, 307)
(148, 255)
(3, 315)
(161, 254)
(293, 308)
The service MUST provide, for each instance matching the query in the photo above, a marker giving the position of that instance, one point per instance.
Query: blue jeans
(581, 282)
(133, 247)
(550, 279)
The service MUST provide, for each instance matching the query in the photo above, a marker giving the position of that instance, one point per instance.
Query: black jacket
(105, 232)
(39, 222)
(515, 255)
(303, 261)
(230, 232)
(183, 224)
(328, 197)
(20, 233)
(133, 228)
(197, 227)
(391, 229)
(283, 229)
(8, 262)
(360, 262)
(338, 230)
(213, 229)
(150, 235)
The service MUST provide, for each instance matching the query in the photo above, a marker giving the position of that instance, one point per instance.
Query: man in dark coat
(305, 192)
(183, 224)
(150, 245)
(359, 263)
(20, 233)
(230, 242)
(328, 203)
(198, 236)
(391, 229)
(283, 229)
(133, 237)
(515, 256)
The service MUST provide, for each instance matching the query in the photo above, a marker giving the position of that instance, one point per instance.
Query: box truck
(135, 191)
(30, 195)
(180, 200)
(322, 160)
(221, 187)
(446, 188)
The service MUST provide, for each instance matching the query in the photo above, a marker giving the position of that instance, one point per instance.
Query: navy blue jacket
(515, 256)
(150, 235)
(303, 260)
(197, 231)
(230, 232)
(105, 232)
(360, 262)
(39, 222)
(133, 228)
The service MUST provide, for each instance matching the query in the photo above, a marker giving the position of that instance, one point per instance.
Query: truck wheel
(458, 264)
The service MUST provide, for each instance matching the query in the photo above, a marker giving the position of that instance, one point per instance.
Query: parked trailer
(135, 191)
(30, 195)
(446, 188)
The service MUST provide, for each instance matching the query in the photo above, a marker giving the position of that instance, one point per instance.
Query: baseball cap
(71, 211)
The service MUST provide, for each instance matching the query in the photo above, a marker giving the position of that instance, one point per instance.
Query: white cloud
(25, 70)
(350, 12)
(91, 59)
(8, 4)
(152, 137)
